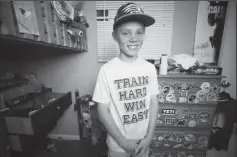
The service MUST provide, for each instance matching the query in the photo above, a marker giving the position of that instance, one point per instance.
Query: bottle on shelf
(163, 65)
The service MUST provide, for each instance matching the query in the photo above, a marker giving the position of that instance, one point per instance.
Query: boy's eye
(125, 33)
(141, 32)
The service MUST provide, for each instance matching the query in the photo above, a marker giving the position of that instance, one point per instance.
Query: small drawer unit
(186, 115)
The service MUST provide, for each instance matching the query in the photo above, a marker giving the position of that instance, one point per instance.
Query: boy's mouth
(132, 47)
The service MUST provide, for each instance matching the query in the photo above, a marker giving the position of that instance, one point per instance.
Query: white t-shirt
(127, 87)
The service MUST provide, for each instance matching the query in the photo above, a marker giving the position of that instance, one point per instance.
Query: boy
(126, 88)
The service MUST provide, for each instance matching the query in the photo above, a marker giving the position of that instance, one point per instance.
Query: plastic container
(163, 65)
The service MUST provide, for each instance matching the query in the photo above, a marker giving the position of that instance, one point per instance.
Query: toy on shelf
(223, 94)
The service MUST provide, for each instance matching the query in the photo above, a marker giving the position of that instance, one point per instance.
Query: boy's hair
(132, 12)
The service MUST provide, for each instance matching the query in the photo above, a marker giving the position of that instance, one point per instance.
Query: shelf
(188, 76)
(203, 104)
(8, 43)
(53, 34)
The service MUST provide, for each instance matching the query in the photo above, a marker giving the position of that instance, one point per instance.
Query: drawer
(21, 90)
(189, 90)
(186, 115)
(173, 139)
(177, 153)
(39, 121)
(53, 111)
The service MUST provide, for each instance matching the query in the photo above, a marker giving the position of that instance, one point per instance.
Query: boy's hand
(129, 145)
(142, 147)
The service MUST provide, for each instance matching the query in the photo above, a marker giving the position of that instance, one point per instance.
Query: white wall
(184, 26)
(228, 49)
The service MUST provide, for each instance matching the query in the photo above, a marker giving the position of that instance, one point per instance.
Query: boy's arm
(144, 144)
(153, 89)
(111, 127)
(153, 117)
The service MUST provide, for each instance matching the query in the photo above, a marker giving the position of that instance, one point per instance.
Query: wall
(67, 72)
(228, 49)
(184, 27)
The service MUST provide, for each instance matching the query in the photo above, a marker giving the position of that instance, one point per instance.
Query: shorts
(112, 153)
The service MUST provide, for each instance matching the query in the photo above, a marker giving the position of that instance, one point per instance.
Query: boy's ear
(114, 34)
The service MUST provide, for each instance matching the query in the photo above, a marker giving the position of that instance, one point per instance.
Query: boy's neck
(127, 59)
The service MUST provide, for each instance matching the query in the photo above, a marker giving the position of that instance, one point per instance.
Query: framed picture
(26, 17)
(209, 30)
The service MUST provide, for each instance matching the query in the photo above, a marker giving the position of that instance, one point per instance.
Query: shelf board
(9, 43)
(189, 76)
(204, 104)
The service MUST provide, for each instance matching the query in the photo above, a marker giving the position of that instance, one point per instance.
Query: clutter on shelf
(83, 105)
(186, 64)
(223, 93)
(90, 127)
(64, 10)
(52, 23)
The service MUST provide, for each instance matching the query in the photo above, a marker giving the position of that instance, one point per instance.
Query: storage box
(174, 139)
(186, 115)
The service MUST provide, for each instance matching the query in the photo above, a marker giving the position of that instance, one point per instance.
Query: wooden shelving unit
(52, 32)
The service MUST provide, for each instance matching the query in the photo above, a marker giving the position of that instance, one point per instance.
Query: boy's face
(130, 36)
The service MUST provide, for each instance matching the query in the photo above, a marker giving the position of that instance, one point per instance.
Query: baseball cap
(132, 12)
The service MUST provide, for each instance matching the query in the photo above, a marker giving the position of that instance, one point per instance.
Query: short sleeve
(153, 86)
(101, 93)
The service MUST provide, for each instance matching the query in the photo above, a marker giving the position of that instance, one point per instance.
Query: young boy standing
(126, 88)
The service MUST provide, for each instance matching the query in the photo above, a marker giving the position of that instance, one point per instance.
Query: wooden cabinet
(187, 106)
(52, 32)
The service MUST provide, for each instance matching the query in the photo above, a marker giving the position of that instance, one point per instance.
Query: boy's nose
(133, 38)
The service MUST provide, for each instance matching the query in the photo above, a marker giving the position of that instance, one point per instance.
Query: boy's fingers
(138, 147)
(141, 152)
(139, 141)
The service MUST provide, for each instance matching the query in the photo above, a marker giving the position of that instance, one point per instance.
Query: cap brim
(143, 18)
